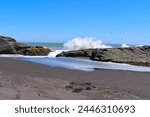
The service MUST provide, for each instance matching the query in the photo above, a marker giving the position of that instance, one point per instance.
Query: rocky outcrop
(33, 51)
(130, 55)
(8, 39)
(76, 53)
(19, 46)
(9, 45)
(6, 45)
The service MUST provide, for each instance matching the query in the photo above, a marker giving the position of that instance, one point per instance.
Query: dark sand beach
(25, 80)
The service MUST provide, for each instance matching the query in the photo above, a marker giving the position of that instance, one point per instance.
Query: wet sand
(25, 80)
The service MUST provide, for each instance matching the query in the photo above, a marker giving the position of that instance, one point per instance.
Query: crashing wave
(84, 43)
(54, 53)
(124, 45)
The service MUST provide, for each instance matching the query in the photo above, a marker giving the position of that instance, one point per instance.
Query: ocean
(54, 46)
(59, 46)
(74, 63)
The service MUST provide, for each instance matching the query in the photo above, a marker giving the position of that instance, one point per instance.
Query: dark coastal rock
(9, 45)
(76, 53)
(130, 55)
(19, 46)
(38, 46)
(32, 51)
(8, 39)
(24, 49)
(6, 45)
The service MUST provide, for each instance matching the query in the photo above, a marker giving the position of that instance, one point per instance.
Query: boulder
(19, 46)
(9, 45)
(38, 46)
(32, 51)
(76, 53)
(130, 55)
(6, 45)
(8, 39)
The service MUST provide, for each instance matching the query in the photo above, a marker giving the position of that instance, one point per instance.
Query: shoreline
(26, 80)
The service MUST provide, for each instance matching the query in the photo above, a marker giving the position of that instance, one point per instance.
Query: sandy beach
(24, 80)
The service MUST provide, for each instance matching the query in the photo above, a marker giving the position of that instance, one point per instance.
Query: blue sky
(112, 21)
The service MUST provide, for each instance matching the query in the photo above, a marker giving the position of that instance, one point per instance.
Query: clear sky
(112, 21)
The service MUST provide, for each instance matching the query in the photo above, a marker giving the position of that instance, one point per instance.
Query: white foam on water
(55, 52)
(91, 65)
(84, 43)
(121, 66)
(79, 64)
(124, 45)
(139, 45)
(86, 65)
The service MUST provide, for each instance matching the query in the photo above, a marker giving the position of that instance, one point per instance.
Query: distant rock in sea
(9, 45)
(131, 55)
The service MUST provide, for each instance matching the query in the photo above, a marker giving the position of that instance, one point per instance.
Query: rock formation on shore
(130, 55)
(6, 45)
(9, 45)
(76, 53)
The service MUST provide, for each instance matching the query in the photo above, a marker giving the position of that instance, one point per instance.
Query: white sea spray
(124, 45)
(84, 43)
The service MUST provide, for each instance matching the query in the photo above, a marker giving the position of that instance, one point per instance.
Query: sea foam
(85, 65)
(124, 45)
(80, 43)
(84, 43)
(54, 53)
